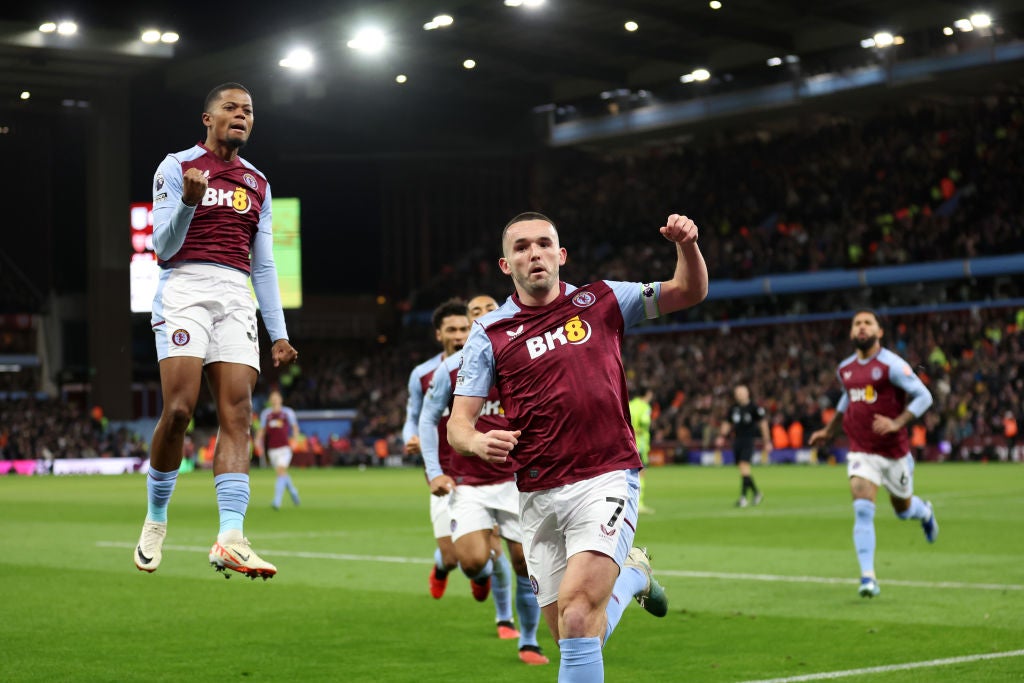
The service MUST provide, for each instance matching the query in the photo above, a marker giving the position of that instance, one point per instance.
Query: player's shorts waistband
(227, 273)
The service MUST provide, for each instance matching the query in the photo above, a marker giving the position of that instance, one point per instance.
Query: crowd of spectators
(918, 182)
(51, 429)
(970, 359)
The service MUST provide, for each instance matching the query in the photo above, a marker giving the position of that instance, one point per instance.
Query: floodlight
(150, 35)
(469, 64)
(883, 39)
(299, 59)
(631, 26)
(67, 28)
(47, 27)
(401, 78)
(774, 61)
(440, 21)
(715, 4)
(25, 94)
(169, 37)
(370, 40)
(701, 74)
(981, 20)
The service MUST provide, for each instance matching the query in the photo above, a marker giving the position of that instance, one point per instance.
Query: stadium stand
(927, 181)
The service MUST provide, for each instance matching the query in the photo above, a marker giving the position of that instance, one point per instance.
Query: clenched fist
(194, 184)
(679, 229)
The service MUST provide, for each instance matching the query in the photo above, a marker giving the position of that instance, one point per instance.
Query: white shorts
(476, 508)
(596, 514)
(206, 311)
(439, 516)
(897, 476)
(280, 457)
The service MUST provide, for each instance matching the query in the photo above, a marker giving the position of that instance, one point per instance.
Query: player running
(881, 394)
(484, 502)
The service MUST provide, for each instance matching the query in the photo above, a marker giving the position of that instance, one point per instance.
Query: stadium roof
(564, 52)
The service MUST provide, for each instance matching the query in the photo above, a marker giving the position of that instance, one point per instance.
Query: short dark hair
(450, 307)
(214, 94)
(522, 218)
(869, 311)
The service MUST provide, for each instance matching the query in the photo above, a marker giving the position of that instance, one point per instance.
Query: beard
(865, 344)
(235, 143)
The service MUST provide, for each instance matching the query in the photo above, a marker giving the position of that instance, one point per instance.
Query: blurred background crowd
(920, 183)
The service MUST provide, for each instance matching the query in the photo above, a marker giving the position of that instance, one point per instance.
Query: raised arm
(175, 197)
(689, 284)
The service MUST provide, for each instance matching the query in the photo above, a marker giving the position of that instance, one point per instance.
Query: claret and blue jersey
(558, 369)
(434, 431)
(880, 385)
(231, 226)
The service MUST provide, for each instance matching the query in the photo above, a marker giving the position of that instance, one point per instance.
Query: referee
(744, 421)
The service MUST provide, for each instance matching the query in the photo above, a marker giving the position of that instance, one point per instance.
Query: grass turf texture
(748, 590)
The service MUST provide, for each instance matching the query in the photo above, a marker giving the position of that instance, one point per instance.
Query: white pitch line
(829, 675)
(832, 580)
(661, 572)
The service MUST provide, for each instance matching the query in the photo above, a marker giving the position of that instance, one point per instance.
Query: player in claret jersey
(484, 503)
(278, 425)
(553, 351)
(212, 234)
(451, 327)
(881, 394)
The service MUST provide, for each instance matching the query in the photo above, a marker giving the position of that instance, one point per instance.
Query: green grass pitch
(757, 594)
